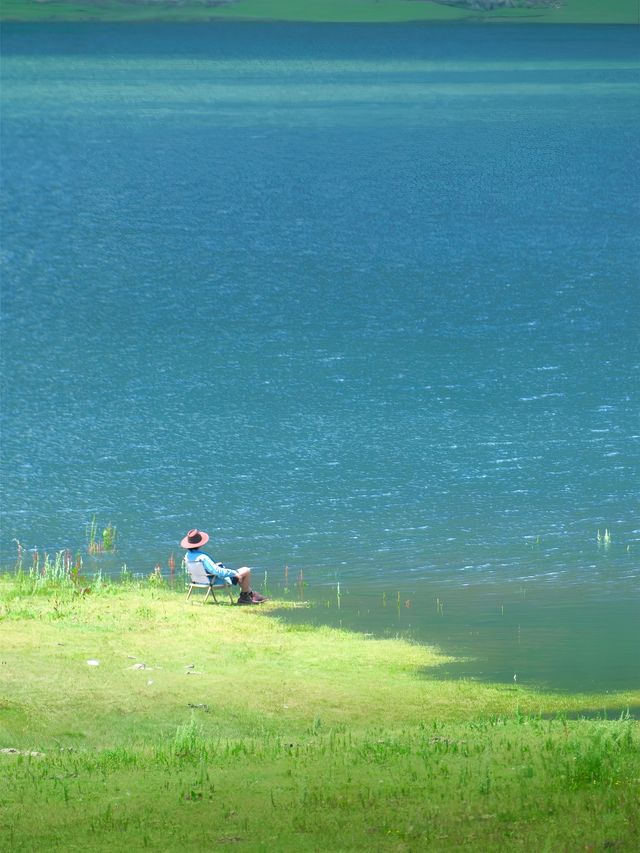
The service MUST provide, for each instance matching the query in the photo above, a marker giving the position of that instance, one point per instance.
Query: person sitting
(193, 542)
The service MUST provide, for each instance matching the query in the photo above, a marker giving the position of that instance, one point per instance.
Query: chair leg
(190, 591)
(208, 593)
(213, 594)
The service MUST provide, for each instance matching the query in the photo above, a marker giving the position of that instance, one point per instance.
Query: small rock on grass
(10, 750)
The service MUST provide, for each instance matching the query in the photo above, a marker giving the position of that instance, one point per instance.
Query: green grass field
(138, 721)
(571, 11)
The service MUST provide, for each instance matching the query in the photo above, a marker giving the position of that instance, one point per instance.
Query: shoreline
(85, 592)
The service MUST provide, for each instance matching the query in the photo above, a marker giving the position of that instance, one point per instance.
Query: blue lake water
(361, 301)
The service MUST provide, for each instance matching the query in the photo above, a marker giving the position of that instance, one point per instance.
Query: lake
(360, 301)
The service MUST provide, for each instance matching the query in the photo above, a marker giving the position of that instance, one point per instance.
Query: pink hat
(194, 539)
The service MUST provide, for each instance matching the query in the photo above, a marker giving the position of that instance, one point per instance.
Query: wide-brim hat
(194, 539)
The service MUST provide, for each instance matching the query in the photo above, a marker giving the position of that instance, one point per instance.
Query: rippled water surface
(360, 301)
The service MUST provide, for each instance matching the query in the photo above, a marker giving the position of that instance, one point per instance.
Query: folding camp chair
(199, 579)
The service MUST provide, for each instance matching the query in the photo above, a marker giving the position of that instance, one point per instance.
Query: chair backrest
(197, 572)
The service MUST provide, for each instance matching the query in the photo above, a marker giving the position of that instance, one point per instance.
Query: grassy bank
(369, 11)
(139, 720)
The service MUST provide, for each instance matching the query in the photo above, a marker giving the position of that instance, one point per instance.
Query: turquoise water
(361, 301)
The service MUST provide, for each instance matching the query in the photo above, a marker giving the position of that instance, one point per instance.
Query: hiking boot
(245, 598)
(257, 598)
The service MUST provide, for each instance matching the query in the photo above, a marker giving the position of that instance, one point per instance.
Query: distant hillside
(491, 5)
(373, 11)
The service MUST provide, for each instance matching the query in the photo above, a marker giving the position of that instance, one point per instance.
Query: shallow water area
(360, 301)
(535, 632)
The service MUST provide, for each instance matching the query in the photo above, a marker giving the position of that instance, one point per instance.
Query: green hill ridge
(328, 11)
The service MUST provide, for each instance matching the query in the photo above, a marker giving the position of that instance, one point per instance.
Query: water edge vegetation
(130, 719)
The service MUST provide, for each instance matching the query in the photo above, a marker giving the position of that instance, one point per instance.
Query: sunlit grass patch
(140, 720)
